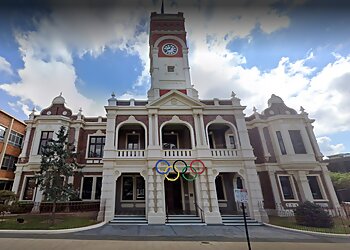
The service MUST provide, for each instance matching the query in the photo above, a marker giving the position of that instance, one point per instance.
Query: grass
(43, 222)
(341, 226)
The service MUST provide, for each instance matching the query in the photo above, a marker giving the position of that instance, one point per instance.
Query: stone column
(303, 185)
(212, 216)
(246, 148)
(158, 216)
(150, 131)
(16, 181)
(329, 186)
(26, 141)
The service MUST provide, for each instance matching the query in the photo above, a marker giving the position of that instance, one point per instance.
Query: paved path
(187, 233)
(66, 244)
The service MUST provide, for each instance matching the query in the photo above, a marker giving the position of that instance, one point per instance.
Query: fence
(62, 207)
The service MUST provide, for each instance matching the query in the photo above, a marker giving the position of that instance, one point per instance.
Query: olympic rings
(181, 173)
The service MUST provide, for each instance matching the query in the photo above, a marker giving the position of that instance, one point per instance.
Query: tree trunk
(53, 212)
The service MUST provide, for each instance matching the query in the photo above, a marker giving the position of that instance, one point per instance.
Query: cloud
(5, 66)
(327, 148)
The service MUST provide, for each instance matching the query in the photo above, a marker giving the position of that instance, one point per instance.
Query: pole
(246, 226)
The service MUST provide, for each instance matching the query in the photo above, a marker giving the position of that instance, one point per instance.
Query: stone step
(129, 220)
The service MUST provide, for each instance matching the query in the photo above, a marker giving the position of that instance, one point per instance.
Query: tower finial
(162, 8)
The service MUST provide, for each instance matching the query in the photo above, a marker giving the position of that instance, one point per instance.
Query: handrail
(202, 212)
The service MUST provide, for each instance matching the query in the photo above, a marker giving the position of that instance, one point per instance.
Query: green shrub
(312, 215)
(6, 196)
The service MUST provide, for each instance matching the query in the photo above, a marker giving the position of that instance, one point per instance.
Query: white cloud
(5, 66)
(327, 148)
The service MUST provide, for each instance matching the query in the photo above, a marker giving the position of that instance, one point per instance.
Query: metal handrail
(201, 210)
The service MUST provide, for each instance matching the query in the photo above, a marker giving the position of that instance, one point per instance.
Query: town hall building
(175, 154)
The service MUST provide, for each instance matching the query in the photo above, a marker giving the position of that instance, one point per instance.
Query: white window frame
(291, 180)
(93, 191)
(23, 188)
(126, 141)
(88, 146)
(5, 131)
(228, 142)
(134, 194)
(223, 188)
(320, 185)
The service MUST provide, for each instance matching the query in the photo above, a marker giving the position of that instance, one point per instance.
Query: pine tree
(57, 165)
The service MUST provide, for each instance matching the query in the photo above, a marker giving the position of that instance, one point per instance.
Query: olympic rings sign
(182, 172)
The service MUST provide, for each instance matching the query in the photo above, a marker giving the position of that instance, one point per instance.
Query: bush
(312, 215)
(6, 196)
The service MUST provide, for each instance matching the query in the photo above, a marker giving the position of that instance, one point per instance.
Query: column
(247, 150)
(263, 142)
(150, 131)
(212, 216)
(110, 147)
(156, 131)
(26, 141)
(16, 181)
(329, 186)
(303, 185)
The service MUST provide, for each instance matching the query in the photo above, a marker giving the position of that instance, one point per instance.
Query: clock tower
(169, 56)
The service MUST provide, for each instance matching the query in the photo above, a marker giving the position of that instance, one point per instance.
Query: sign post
(241, 195)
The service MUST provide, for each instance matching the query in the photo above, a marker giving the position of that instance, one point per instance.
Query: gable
(175, 98)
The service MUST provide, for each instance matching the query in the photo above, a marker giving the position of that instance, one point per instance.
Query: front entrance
(173, 196)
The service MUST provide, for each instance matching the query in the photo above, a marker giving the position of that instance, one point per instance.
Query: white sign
(241, 195)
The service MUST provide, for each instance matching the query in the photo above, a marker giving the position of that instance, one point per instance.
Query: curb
(308, 232)
(54, 231)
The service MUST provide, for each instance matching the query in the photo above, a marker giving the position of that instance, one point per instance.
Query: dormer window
(171, 69)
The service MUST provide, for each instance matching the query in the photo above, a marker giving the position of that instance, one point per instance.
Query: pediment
(177, 99)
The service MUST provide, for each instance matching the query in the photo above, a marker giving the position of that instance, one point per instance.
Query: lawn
(40, 221)
(341, 226)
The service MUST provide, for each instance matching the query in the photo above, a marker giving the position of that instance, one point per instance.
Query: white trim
(320, 185)
(291, 180)
(88, 146)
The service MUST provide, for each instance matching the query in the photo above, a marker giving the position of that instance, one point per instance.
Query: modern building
(339, 162)
(11, 137)
(128, 153)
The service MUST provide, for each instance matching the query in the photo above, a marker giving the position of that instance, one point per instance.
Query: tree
(340, 180)
(57, 165)
(312, 215)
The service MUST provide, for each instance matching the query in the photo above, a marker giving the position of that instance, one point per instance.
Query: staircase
(185, 219)
(238, 220)
(129, 220)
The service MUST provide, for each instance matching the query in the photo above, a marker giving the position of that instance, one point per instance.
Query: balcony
(178, 153)
(126, 153)
(224, 153)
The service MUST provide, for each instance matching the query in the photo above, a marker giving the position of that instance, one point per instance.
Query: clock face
(169, 49)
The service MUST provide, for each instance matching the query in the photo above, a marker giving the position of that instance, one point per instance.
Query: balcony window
(297, 141)
(231, 141)
(133, 141)
(96, 145)
(281, 143)
(315, 187)
(15, 139)
(170, 141)
(287, 187)
(46, 136)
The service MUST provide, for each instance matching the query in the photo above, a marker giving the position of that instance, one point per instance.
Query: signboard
(241, 195)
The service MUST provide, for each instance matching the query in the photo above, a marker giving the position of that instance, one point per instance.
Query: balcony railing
(224, 153)
(130, 153)
(174, 153)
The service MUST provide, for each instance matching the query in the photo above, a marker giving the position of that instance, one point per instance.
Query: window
(171, 68)
(239, 183)
(281, 143)
(232, 141)
(6, 185)
(297, 141)
(2, 132)
(87, 188)
(220, 187)
(211, 140)
(133, 141)
(315, 187)
(286, 186)
(133, 188)
(29, 188)
(15, 139)
(96, 145)
(9, 162)
(91, 188)
(46, 136)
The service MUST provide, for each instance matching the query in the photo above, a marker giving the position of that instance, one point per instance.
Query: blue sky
(295, 49)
